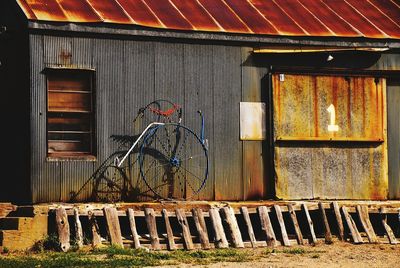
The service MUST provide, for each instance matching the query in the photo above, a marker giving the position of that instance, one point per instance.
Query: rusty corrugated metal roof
(336, 18)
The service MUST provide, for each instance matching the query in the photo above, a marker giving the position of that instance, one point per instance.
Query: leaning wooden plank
(327, 229)
(233, 227)
(113, 227)
(78, 229)
(187, 237)
(279, 216)
(297, 230)
(132, 225)
(362, 212)
(339, 220)
(220, 237)
(355, 235)
(152, 227)
(266, 226)
(170, 234)
(96, 238)
(201, 227)
(246, 217)
(388, 230)
(63, 229)
(310, 224)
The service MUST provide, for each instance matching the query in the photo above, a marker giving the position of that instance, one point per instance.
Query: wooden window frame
(78, 114)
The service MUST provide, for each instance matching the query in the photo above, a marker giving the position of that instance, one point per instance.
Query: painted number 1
(332, 127)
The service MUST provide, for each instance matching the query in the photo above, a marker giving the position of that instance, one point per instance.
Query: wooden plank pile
(224, 227)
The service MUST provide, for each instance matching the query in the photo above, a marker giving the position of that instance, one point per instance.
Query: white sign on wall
(252, 121)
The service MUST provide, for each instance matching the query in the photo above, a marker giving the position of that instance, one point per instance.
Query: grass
(295, 251)
(120, 257)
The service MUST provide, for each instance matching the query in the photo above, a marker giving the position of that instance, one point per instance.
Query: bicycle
(172, 159)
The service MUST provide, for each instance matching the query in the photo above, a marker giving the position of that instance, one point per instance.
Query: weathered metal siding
(130, 74)
(254, 89)
(199, 86)
(54, 180)
(310, 161)
(393, 101)
(227, 147)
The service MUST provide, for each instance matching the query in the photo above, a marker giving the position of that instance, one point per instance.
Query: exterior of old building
(300, 98)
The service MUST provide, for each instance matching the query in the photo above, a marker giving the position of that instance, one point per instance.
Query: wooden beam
(94, 227)
(310, 224)
(201, 227)
(362, 212)
(285, 238)
(339, 221)
(388, 230)
(233, 227)
(170, 234)
(327, 229)
(355, 235)
(182, 220)
(132, 224)
(78, 229)
(247, 221)
(219, 233)
(266, 226)
(297, 230)
(113, 227)
(63, 229)
(152, 227)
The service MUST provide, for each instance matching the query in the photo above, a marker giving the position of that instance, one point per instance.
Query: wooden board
(187, 237)
(201, 227)
(249, 226)
(233, 227)
(132, 225)
(310, 224)
(388, 230)
(266, 226)
(297, 230)
(152, 227)
(327, 229)
(219, 233)
(279, 216)
(63, 229)
(113, 226)
(94, 227)
(339, 221)
(355, 235)
(362, 212)
(78, 229)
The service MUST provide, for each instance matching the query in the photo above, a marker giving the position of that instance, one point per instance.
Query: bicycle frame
(203, 140)
(119, 163)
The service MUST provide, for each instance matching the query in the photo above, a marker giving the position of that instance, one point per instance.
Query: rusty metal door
(329, 137)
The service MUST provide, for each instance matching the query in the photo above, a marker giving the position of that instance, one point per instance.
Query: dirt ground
(339, 254)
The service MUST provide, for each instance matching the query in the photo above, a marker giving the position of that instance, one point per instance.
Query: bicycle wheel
(111, 185)
(173, 162)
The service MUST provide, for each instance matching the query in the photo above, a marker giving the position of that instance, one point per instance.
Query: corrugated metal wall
(130, 74)
(214, 78)
(393, 101)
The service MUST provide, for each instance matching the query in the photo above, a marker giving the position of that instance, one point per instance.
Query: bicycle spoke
(192, 174)
(162, 145)
(187, 181)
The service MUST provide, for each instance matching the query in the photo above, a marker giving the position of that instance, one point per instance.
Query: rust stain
(346, 18)
(344, 171)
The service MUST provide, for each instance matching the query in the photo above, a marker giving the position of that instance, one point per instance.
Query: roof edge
(138, 31)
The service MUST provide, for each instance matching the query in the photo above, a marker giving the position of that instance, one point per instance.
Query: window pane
(74, 102)
(70, 114)
(68, 122)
